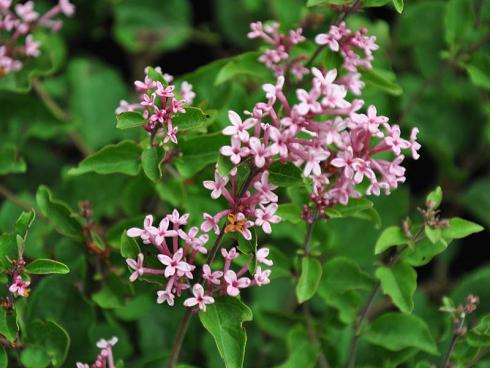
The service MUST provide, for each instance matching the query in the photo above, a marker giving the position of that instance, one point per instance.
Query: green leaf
(460, 228)
(199, 152)
(120, 158)
(151, 159)
(479, 71)
(382, 80)
(193, 118)
(24, 222)
(398, 5)
(3, 358)
(152, 26)
(311, 3)
(244, 64)
(423, 252)
(112, 294)
(8, 249)
(311, 274)
(353, 207)
(58, 213)
(374, 3)
(457, 20)
(52, 338)
(284, 175)
(342, 274)
(289, 212)
(391, 236)
(130, 119)
(34, 357)
(10, 161)
(434, 198)
(434, 234)
(8, 325)
(224, 321)
(42, 266)
(302, 352)
(399, 282)
(129, 247)
(397, 331)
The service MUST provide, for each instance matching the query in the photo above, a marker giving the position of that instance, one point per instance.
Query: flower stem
(184, 323)
(59, 114)
(456, 333)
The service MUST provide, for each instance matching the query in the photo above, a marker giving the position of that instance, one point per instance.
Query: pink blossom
(66, 7)
(32, 47)
(213, 277)
(345, 159)
(396, 142)
(163, 231)
(209, 223)
(147, 233)
(187, 93)
(217, 185)
(174, 264)
(238, 128)
(199, 298)
(266, 216)
(137, 266)
(414, 145)
(235, 151)
(234, 283)
(315, 156)
(196, 242)
(323, 80)
(259, 151)
(265, 188)
(165, 296)
(308, 101)
(177, 219)
(262, 255)
(20, 287)
(229, 255)
(271, 90)
(26, 11)
(262, 277)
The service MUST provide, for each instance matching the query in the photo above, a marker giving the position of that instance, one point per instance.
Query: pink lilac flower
(174, 264)
(17, 21)
(20, 287)
(199, 298)
(165, 296)
(217, 185)
(147, 233)
(262, 277)
(229, 255)
(266, 216)
(196, 242)
(212, 277)
(159, 104)
(235, 283)
(209, 223)
(105, 357)
(262, 255)
(235, 151)
(238, 128)
(137, 266)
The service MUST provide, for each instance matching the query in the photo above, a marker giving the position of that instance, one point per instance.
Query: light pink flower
(262, 277)
(235, 151)
(259, 151)
(32, 47)
(165, 296)
(147, 233)
(265, 188)
(396, 142)
(238, 128)
(137, 266)
(415, 146)
(209, 223)
(187, 93)
(66, 7)
(196, 242)
(315, 156)
(309, 101)
(229, 255)
(174, 264)
(262, 255)
(177, 219)
(213, 277)
(345, 159)
(234, 283)
(217, 185)
(266, 216)
(199, 298)
(20, 287)
(26, 11)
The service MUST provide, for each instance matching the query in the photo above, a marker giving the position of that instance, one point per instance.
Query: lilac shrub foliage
(252, 200)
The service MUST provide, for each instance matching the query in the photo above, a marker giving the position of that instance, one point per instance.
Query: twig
(59, 114)
(4, 191)
(452, 344)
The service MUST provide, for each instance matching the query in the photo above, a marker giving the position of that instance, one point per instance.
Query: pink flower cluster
(105, 359)
(177, 251)
(19, 286)
(277, 58)
(336, 145)
(16, 24)
(356, 49)
(159, 103)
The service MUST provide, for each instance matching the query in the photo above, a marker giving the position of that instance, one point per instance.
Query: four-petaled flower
(217, 185)
(174, 264)
(199, 298)
(137, 266)
(235, 283)
(261, 256)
